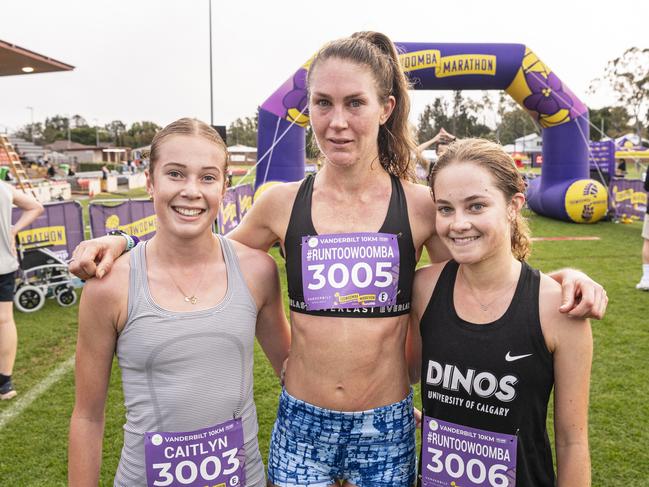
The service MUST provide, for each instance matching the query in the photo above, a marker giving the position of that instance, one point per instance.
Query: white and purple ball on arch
(564, 190)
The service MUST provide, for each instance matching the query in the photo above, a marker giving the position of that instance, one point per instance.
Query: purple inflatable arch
(563, 191)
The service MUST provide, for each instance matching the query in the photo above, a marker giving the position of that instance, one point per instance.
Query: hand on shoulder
(555, 324)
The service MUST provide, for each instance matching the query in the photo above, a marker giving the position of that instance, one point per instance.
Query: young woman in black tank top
(488, 342)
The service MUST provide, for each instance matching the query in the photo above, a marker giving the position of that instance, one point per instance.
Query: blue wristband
(131, 240)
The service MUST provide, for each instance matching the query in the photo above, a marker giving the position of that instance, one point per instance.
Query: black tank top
(396, 223)
(510, 354)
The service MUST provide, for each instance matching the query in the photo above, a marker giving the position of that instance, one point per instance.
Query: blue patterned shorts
(312, 446)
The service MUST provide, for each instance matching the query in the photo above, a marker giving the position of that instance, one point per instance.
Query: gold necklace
(192, 299)
(485, 307)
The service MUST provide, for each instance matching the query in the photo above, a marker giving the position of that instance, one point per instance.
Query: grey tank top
(183, 371)
(8, 261)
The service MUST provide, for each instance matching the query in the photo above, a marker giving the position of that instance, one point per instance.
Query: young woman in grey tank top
(180, 313)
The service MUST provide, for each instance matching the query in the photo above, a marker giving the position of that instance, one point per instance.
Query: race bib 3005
(461, 456)
(350, 270)
(211, 457)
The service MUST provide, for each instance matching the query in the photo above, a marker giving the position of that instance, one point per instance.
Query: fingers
(82, 264)
(567, 295)
(105, 264)
(591, 301)
(593, 307)
(418, 417)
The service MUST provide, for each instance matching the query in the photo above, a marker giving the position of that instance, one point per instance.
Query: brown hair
(501, 166)
(396, 144)
(186, 126)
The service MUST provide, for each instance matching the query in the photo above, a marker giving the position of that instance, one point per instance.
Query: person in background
(643, 285)
(8, 266)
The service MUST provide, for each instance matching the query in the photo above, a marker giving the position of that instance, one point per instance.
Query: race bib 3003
(211, 457)
(461, 456)
(350, 270)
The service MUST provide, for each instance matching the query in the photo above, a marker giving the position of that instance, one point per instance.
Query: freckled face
(187, 185)
(345, 111)
(473, 217)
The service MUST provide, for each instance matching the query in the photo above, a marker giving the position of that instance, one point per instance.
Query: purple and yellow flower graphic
(548, 98)
(295, 101)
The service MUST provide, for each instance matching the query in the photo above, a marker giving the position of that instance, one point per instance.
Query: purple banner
(245, 194)
(211, 456)
(628, 198)
(453, 454)
(602, 156)
(135, 217)
(228, 215)
(59, 228)
(354, 270)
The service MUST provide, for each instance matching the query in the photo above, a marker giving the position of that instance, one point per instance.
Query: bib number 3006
(474, 469)
(454, 454)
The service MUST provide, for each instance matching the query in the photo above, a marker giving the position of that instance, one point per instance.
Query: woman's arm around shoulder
(570, 341)
(422, 212)
(267, 220)
(422, 290)
(102, 314)
(262, 277)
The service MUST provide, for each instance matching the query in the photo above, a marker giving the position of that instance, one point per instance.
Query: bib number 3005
(339, 276)
(350, 270)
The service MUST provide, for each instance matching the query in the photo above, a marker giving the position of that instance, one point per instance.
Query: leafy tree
(78, 121)
(432, 119)
(243, 131)
(628, 77)
(613, 121)
(140, 133)
(513, 124)
(116, 128)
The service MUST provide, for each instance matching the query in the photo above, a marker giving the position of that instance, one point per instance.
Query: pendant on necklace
(191, 299)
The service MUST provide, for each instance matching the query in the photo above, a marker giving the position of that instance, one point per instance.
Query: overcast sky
(148, 59)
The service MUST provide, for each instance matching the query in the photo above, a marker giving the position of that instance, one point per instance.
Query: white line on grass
(25, 400)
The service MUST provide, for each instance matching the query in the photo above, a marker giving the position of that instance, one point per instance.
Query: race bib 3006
(211, 457)
(350, 270)
(461, 456)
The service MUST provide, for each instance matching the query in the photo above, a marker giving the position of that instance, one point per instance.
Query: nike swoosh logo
(511, 358)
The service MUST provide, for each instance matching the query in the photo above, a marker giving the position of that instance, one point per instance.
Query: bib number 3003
(187, 472)
(210, 457)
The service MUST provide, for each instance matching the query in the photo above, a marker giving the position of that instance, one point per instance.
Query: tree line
(627, 76)
(77, 129)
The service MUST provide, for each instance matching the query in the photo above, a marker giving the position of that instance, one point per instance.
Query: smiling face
(187, 184)
(474, 218)
(346, 112)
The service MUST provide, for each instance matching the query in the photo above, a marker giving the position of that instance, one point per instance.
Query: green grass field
(33, 444)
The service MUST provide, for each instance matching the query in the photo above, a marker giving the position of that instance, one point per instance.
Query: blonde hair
(396, 145)
(508, 180)
(186, 126)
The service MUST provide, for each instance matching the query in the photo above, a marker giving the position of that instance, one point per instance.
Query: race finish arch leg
(564, 190)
